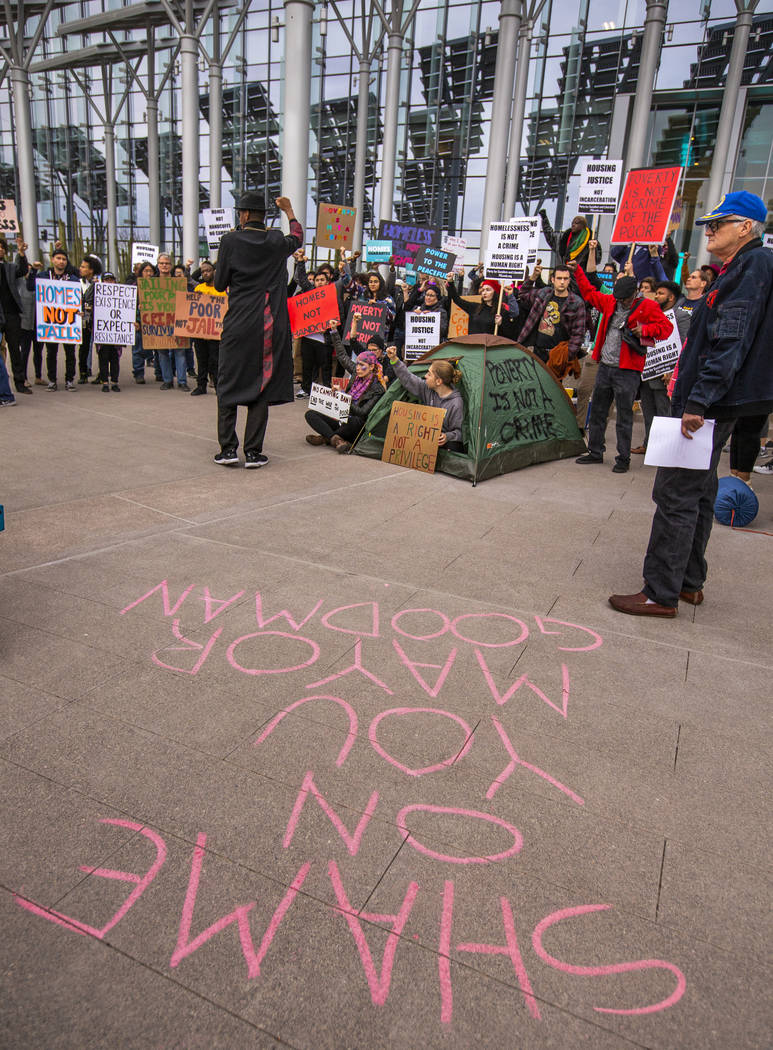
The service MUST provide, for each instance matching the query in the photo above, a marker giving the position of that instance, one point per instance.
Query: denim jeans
(6, 394)
(140, 356)
(165, 360)
(684, 500)
(622, 386)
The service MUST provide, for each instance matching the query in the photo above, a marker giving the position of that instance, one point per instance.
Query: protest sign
(422, 333)
(663, 355)
(406, 240)
(217, 221)
(340, 382)
(372, 322)
(457, 246)
(511, 249)
(335, 226)
(115, 313)
(311, 311)
(459, 321)
(412, 436)
(645, 208)
(58, 306)
(329, 401)
(199, 315)
(767, 240)
(158, 305)
(434, 262)
(599, 186)
(142, 253)
(9, 222)
(378, 251)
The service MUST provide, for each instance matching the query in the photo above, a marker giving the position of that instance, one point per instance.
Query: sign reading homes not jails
(511, 248)
(663, 356)
(599, 186)
(115, 313)
(58, 317)
(422, 333)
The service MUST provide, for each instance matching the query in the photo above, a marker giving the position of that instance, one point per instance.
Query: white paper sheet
(667, 447)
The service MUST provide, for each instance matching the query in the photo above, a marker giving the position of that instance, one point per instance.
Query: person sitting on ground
(438, 390)
(366, 386)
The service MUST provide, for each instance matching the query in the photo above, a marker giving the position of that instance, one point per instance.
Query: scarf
(577, 243)
(357, 386)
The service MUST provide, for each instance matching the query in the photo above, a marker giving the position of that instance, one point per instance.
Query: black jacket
(360, 409)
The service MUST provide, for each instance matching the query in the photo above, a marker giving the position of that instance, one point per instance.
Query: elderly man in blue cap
(725, 373)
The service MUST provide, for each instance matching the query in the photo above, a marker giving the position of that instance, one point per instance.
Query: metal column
(24, 157)
(189, 55)
(509, 25)
(112, 199)
(361, 150)
(636, 153)
(516, 121)
(297, 115)
(154, 165)
(215, 115)
(391, 113)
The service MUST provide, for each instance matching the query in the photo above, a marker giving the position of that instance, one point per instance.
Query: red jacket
(655, 325)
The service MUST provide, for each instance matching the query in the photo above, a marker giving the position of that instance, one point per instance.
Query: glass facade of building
(582, 77)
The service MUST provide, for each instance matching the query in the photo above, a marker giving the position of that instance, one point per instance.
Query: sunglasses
(714, 225)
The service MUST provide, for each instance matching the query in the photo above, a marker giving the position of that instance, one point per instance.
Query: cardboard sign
(373, 320)
(458, 246)
(58, 311)
(434, 262)
(335, 226)
(648, 199)
(142, 252)
(158, 306)
(662, 357)
(217, 221)
(311, 311)
(115, 313)
(511, 249)
(459, 321)
(330, 402)
(406, 240)
(9, 222)
(412, 436)
(378, 251)
(199, 315)
(599, 186)
(422, 333)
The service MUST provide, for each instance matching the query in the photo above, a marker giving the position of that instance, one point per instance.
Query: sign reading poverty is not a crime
(645, 208)
(58, 311)
(511, 249)
(115, 313)
(158, 307)
(662, 356)
(373, 320)
(412, 436)
(335, 226)
(422, 333)
(311, 311)
(330, 402)
(599, 186)
(199, 315)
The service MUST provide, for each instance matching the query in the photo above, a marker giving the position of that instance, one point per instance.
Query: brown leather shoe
(691, 597)
(639, 450)
(336, 441)
(342, 447)
(316, 439)
(637, 605)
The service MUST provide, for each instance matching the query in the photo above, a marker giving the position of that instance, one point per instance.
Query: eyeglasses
(714, 225)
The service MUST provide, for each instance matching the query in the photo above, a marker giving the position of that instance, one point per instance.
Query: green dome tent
(516, 413)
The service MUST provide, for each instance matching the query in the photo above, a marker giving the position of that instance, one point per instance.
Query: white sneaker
(765, 468)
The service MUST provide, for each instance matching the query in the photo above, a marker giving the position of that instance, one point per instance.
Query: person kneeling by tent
(438, 390)
(366, 386)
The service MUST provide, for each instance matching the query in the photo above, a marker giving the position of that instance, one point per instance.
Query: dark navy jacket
(726, 367)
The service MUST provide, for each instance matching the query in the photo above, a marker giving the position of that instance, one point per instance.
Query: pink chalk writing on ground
(505, 775)
(378, 985)
(604, 971)
(140, 883)
(188, 646)
(231, 653)
(524, 630)
(356, 666)
(185, 946)
(454, 811)
(163, 587)
(597, 639)
(296, 625)
(502, 698)
(351, 736)
(421, 637)
(372, 633)
(402, 711)
(351, 841)
(412, 666)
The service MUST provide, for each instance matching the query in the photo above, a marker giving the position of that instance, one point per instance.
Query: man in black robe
(256, 361)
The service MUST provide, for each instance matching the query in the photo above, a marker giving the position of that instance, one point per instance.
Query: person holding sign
(490, 314)
(207, 350)
(425, 299)
(60, 270)
(557, 316)
(573, 245)
(11, 312)
(438, 390)
(109, 354)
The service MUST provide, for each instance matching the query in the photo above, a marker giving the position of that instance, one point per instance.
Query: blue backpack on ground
(735, 504)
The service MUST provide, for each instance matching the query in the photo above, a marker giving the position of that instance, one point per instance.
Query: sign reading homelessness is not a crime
(115, 313)
(58, 306)
(599, 186)
(412, 436)
(199, 315)
(511, 249)
(311, 311)
(422, 333)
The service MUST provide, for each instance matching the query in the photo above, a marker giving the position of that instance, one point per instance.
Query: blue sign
(378, 251)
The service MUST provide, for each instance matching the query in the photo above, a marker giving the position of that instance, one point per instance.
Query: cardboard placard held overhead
(407, 240)
(511, 249)
(330, 402)
(9, 222)
(422, 333)
(372, 322)
(199, 316)
(412, 436)
(434, 262)
(217, 221)
(115, 313)
(458, 320)
(144, 252)
(58, 316)
(599, 186)
(662, 357)
(646, 205)
(158, 307)
(335, 226)
(311, 311)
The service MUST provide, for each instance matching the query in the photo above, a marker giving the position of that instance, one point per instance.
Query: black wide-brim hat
(251, 201)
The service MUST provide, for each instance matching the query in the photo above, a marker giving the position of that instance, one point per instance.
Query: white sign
(142, 253)
(217, 221)
(599, 186)
(668, 447)
(458, 246)
(511, 249)
(58, 311)
(422, 333)
(115, 313)
(663, 356)
(9, 222)
(767, 240)
(327, 402)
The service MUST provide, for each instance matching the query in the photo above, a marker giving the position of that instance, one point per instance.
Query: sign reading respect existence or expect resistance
(412, 436)
(311, 311)
(662, 357)
(422, 333)
(645, 208)
(115, 313)
(599, 186)
(158, 306)
(58, 307)
(511, 249)
(199, 316)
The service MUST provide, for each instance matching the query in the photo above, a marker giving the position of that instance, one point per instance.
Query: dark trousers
(684, 500)
(12, 333)
(315, 357)
(254, 428)
(28, 342)
(745, 442)
(109, 361)
(207, 357)
(620, 385)
(326, 426)
(654, 402)
(69, 361)
(83, 353)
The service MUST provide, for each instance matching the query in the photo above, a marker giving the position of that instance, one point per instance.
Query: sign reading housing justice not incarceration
(511, 249)
(599, 186)
(645, 208)
(58, 306)
(143, 252)
(422, 333)
(115, 313)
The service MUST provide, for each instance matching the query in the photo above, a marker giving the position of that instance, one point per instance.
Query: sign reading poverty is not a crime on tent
(413, 435)
(645, 208)
(599, 186)
(58, 306)
(511, 249)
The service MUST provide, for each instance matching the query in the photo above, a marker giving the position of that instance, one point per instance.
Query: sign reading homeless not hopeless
(373, 320)
(199, 315)
(407, 240)
(645, 209)
(115, 313)
(158, 306)
(58, 307)
(511, 249)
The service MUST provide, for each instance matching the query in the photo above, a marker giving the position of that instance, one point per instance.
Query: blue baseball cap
(745, 205)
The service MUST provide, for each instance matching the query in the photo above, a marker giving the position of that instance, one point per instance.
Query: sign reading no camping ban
(511, 249)
(599, 186)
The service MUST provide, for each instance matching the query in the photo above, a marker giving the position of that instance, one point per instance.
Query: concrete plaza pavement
(333, 754)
